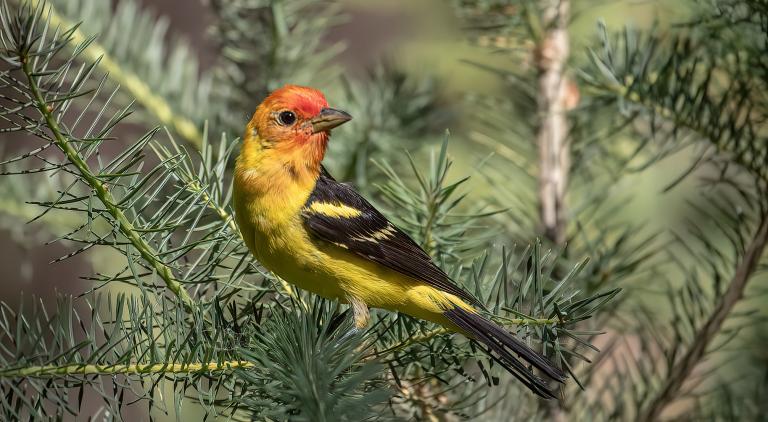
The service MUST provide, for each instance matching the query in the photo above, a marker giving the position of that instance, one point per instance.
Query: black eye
(286, 118)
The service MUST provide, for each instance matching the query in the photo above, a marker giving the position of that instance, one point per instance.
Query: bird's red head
(294, 118)
(285, 141)
(287, 136)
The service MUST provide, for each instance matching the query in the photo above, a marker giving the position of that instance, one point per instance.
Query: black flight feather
(502, 345)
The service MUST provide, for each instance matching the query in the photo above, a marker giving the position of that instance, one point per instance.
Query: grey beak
(328, 119)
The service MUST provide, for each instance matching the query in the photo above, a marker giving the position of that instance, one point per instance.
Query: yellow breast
(268, 198)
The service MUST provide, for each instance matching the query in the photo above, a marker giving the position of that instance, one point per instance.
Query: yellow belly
(335, 273)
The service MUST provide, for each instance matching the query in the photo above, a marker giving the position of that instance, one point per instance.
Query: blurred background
(629, 134)
(421, 39)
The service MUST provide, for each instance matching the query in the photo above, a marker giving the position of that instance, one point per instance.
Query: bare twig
(552, 135)
(682, 370)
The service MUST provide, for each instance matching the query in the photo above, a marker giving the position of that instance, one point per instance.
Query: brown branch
(554, 155)
(556, 96)
(685, 366)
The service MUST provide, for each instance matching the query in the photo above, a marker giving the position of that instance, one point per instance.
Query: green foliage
(695, 95)
(163, 77)
(326, 380)
(166, 211)
(687, 94)
(197, 318)
(82, 345)
(430, 213)
(696, 92)
(390, 110)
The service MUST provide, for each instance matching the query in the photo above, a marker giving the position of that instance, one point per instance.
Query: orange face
(295, 116)
(285, 141)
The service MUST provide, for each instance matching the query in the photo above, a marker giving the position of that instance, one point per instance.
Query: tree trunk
(554, 160)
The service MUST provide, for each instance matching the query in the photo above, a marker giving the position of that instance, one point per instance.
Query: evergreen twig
(138, 88)
(121, 369)
(101, 191)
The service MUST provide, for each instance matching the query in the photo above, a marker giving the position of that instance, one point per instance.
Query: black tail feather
(502, 344)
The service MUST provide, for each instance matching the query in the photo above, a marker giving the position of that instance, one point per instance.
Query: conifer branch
(222, 213)
(142, 92)
(684, 367)
(176, 216)
(122, 369)
(552, 134)
(625, 93)
(677, 85)
(101, 191)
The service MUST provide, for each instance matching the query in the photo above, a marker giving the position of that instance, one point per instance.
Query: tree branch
(686, 121)
(554, 154)
(680, 372)
(124, 224)
(143, 93)
(157, 368)
(552, 137)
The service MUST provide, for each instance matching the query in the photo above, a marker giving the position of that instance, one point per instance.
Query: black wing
(363, 230)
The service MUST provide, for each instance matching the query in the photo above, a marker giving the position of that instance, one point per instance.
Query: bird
(323, 236)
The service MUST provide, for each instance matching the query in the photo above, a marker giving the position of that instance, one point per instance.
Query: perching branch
(682, 370)
(554, 154)
(157, 368)
(101, 191)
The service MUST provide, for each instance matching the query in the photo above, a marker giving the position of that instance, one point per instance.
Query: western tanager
(324, 237)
